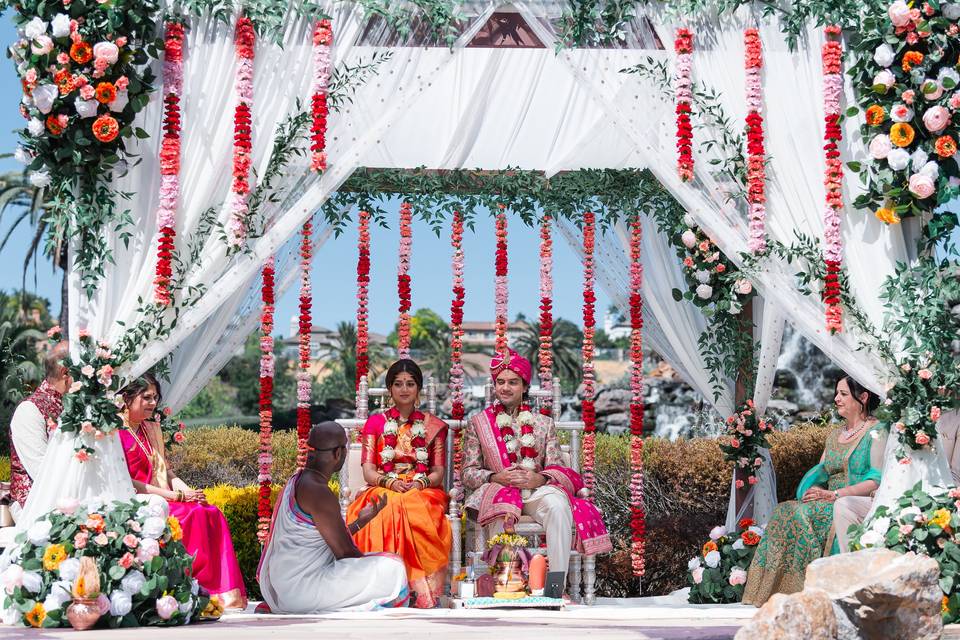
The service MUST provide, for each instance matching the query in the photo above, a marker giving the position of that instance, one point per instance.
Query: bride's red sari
(413, 524)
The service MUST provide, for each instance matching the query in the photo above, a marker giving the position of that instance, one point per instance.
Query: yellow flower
(53, 556)
(941, 518)
(887, 215)
(945, 605)
(901, 134)
(176, 532)
(36, 616)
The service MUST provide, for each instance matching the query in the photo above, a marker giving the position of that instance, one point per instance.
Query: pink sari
(499, 501)
(206, 534)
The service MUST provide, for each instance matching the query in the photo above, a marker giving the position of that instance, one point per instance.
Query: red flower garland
(637, 510)
(832, 54)
(545, 354)
(683, 95)
(306, 325)
(322, 39)
(363, 283)
(265, 460)
(588, 412)
(457, 410)
(244, 40)
(169, 160)
(756, 156)
(403, 280)
(500, 283)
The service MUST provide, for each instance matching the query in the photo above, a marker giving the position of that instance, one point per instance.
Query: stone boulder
(809, 615)
(612, 400)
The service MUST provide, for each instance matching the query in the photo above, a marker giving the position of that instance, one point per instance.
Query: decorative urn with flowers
(507, 553)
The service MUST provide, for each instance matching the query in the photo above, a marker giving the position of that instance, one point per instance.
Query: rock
(782, 406)
(612, 401)
(884, 594)
(809, 615)
(614, 423)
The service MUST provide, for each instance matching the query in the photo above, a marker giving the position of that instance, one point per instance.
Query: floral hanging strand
(322, 39)
(244, 41)
(683, 94)
(756, 156)
(588, 412)
(169, 160)
(500, 283)
(363, 283)
(265, 459)
(637, 509)
(832, 53)
(457, 411)
(306, 326)
(545, 353)
(403, 280)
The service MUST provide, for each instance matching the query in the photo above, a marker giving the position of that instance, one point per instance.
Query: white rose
(718, 532)
(10, 616)
(388, 454)
(948, 73)
(884, 55)
(951, 11)
(418, 430)
(704, 291)
(689, 239)
(52, 603)
(60, 25)
(931, 89)
(422, 455)
(529, 464)
(527, 440)
(132, 582)
(757, 530)
(734, 308)
(120, 603)
(512, 445)
(86, 108)
(693, 564)
(94, 503)
(39, 532)
(390, 426)
(34, 28)
(525, 417)
(712, 559)
(503, 420)
(743, 287)
(907, 515)
(737, 544)
(69, 569)
(871, 539)
(918, 158)
(883, 81)
(42, 46)
(35, 127)
(688, 220)
(931, 169)
(60, 593)
(22, 155)
(880, 146)
(32, 581)
(106, 51)
(44, 95)
(898, 159)
(703, 277)
(881, 525)
(12, 577)
(153, 527)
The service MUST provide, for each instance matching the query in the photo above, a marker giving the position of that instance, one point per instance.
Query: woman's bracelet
(179, 496)
(424, 483)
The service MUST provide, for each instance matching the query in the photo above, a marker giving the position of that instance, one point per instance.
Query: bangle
(179, 496)
(836, 494)
(424, 483)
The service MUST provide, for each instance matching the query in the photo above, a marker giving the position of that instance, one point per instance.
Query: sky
(334, 266)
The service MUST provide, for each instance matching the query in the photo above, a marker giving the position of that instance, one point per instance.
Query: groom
(512, 463)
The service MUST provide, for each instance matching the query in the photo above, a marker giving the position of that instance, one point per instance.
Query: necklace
(849, 435)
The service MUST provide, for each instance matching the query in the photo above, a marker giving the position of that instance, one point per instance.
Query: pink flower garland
(832, 54)
(457, 411)
(322, 39)
(306, 326)
(244, 40)
(363, 282)
(637, 510)
(265, 458)
(588, 411)
(500, 283)
(683, 95)
(545, 353)
(169, 160)
(756, 171)
(403, 280)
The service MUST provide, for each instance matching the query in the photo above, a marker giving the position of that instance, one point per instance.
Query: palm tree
(343, 354)
(19, 366)
(437, 355)
(567, 340)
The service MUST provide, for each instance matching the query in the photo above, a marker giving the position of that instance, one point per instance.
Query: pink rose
(167, 411)
(925, 374)
(82, 455)
(688, 262)
(739, 484)
(67, 506)
(954, 493)
(87, 371)
(752, 480)
(901, 113)
(704, 246)
(922, 439)
(737, 576)
(908, 96)
(87, 427)
(689, 239)
(734, 443)
(83, 333)
(121, 41)
(126, 560)
(955, 101)
(899, 13)
(936, 119)
(166, 607)
(104, 603)
(148, 550)
(131, 540)
(106, 51)
(63, 58)
(101, 539)
(743, 286)
(905, 367)
(80, 540)
(880, 146)
(178, 437)
(906, 529)
(921, 186)
(697, 575)
(31, 77)
(934, 413)
(87, 92)
(758, 462)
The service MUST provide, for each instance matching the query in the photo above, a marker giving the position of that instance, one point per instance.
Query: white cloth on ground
(550, 508)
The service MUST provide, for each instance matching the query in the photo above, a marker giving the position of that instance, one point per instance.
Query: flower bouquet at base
(921, 522)
(507, 553)
(718, 574)
(126, 557)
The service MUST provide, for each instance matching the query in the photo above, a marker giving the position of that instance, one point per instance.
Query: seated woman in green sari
(801, 530)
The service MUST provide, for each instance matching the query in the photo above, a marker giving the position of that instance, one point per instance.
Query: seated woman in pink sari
(206, 535)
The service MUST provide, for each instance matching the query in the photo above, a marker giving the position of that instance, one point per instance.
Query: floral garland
(756, 156)
(713, 281)
(457, 410)
(244, 41)
(748, 434)
(500, 292)
(322, 39)
(915, 403)
(265, 458)
(173, 431)
(169, 160)
(638, 524)
(683, 94)
(363, 284)
(306, 326)
(832, 54)
(545, 354)
(418, 441)
(522, 448)
(588, 411)
(403, 280)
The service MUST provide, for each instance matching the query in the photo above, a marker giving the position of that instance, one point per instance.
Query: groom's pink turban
(514, 362)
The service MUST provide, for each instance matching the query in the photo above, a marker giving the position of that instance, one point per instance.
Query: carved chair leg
(574, 578)
(456, 550)
(589, 580)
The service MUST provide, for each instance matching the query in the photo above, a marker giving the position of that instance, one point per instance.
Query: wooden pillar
(744, 384)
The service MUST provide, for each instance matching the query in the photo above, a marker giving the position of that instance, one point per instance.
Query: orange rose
(81, 52)
(887, 215)
(105, 93)
(901, 134)
(710, 546)
(105, 128)
(911, 59)
(875, 115)
(945, 146)
(750, 538)
(53, 124)
(95, 522)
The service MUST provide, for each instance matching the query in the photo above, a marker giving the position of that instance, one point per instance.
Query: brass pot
(83, 613)
(509, 575)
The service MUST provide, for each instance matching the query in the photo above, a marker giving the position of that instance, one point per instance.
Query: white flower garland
(422, 455)
(523, 424)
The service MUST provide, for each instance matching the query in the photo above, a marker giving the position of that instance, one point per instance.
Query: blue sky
(335, 295)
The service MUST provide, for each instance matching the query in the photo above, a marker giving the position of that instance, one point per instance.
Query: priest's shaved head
(327, 447)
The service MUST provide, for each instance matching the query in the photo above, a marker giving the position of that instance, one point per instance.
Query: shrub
(4, 468)
(228, 455)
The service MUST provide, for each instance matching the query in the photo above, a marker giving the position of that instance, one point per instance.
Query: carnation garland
(588, 412)
(322, 39)
(521, 449)
(832, 53)
(363, 283)
(265, 458)
(638, 524)
(545, 354)
(169, 160)
(403, 280)
(306, 326)
(500, 283)
(756, 156)
(683, 94)
(244, 41)
(457, 411)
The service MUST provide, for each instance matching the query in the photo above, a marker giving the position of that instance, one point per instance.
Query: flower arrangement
(924, 523)
(756, 157)
(267, 362)
(588, 411)
(638, 525)
(748, 434)
(306, 327)
(719, 573)
(92, 404)
(714, 283)
(914, 404)
(832, 54)
(545, 353)
(322, 40)
(135, 549)
(403, 280)
(513, 540)
(500, 282)
(525, 445)
(363, 283)
(244, 42)
(906, 64)
(683, 94)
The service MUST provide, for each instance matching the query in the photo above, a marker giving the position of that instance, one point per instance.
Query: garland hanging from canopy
(403, 280)
(588, 411)
(306, 327)
(545, 352)
(457, 410)
(245, 40)
(500, 291)
(832, 54)
(363, 283)
(683, 95)
(756, 156)
(637, 508)
(265, 458)
(322, 41)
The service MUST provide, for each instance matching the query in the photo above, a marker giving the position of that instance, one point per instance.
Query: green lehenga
(798, 533)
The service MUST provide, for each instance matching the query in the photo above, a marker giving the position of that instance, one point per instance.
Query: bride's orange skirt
(414, 526)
